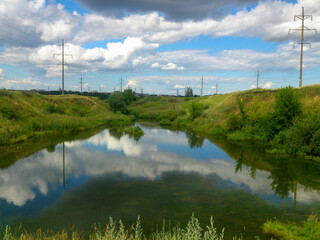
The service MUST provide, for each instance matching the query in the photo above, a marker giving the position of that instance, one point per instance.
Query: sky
(157, 46)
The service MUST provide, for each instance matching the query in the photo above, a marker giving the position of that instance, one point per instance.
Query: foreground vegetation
(309, 230)
(117, 231)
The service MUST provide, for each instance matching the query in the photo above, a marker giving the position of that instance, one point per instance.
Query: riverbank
(27, 114)
(284, 120)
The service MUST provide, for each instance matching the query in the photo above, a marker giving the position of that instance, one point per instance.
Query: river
(165, 175)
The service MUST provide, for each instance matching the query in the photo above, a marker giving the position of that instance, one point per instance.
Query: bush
(79, 111)
(49, 108)
(165, 121)
(117, 102)
(182, 112)
(5, 93)
(287, 107)
(195, 110)
(303, 137)
(8, 113)
(234, 123)
(33, 125)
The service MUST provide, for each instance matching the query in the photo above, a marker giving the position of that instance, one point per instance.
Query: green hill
(25, 114)
(250, 115)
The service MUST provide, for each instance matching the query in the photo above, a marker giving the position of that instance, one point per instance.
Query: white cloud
(32, 23)
(179, 86)
(268, 85)
(168, 66)
(26, 83)
(269, 20)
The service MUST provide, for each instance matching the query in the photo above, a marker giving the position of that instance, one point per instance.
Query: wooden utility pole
(302, 17)
(216, 88)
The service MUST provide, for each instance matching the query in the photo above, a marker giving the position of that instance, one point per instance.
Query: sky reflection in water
(44, 178)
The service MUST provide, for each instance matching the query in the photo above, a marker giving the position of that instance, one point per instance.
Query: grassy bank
(309, 230)
(268, 117)
(26, 114)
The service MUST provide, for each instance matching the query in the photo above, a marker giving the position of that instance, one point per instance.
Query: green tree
(129, 96)
(189, 92)
(117, 102)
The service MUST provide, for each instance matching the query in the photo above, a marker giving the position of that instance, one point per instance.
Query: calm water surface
(164, 175)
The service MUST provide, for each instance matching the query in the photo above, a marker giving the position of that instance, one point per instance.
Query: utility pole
(62, 63)
(201, 91)
(121, 85)
(141, 91)
(81, 84)
(177, 92)
(302, 29)
(216, 88)
(258, 78)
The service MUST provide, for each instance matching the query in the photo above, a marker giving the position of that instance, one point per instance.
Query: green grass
(26, 114)
(221, 115)
(309, 230)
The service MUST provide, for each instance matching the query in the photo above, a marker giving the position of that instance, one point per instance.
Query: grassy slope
(257, 103)
(25, 114)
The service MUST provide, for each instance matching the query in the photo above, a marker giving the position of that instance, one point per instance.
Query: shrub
(165, 121)
(5, 93)
(195, 110)
(117, 102)
(9, 113)
(33, 125)
(303, 137)
(79, 111)
(49, 108)
(234, 123)
(218, 130)
(182, 112)
(286, 108)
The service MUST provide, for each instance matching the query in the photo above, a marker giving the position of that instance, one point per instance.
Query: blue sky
(160, 46)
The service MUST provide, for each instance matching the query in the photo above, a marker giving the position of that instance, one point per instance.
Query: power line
(201, 92)
(81, 84)
(258, 78)
(302, 29)
(62, 63)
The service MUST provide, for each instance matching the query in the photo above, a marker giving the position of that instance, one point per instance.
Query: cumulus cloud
(132, 53)
(25, 83)
(269, 20)
(177, 10)
(268, 85)
(168, 66)
(32, 23)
